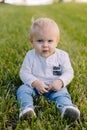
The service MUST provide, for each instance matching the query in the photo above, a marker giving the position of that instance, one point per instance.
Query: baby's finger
(40, 93)
(44, 91)
(50, 88)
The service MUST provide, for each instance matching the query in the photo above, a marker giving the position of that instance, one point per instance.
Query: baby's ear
(31, 41)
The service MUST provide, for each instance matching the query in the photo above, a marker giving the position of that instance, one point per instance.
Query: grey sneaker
(70, 113)
(27, 114)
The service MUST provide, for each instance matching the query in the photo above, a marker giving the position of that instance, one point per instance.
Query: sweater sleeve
(67, 70)
(26, 70)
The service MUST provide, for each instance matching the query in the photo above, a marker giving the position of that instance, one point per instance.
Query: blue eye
(50, 41)
(40, 40)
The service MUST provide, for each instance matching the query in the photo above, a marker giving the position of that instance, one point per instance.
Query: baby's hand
(56, 85)
(40, 86)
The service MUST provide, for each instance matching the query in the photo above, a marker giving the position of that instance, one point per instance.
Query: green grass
(14, 43)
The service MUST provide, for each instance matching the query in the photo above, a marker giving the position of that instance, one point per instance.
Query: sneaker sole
(71, 114)
(28, 116)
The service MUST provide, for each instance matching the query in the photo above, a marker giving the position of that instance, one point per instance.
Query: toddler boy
(46, 71)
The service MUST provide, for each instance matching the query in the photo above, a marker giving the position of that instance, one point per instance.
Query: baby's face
(45, 42)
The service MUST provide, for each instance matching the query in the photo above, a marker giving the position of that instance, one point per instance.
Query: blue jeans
(26, 93)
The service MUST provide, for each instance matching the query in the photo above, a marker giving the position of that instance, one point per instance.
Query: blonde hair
(42, 25)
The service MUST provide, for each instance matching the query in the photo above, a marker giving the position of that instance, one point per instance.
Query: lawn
(15, 22)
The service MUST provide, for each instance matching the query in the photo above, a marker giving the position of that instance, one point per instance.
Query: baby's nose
(45, 44)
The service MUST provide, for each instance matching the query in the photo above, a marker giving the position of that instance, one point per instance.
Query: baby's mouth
(45, 51)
